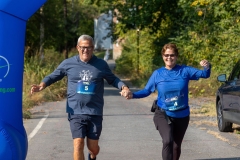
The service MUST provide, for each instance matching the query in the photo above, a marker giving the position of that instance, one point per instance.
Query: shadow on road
(126, 114)
(234, 158)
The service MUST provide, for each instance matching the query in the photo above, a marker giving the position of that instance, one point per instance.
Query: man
(86, 74)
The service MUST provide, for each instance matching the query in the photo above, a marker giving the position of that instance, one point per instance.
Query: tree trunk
(65, 29)
(41, 49)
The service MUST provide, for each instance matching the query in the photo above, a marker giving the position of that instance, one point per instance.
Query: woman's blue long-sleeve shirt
(172, 88)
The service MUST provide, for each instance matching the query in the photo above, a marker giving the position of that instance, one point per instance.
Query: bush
(35, 69)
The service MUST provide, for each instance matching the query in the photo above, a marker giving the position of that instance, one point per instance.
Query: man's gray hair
(85, 37)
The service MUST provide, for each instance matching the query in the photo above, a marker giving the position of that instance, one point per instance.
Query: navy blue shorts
(82, 125)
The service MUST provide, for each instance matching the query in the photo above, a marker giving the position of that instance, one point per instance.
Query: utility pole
(138, 36)
(138, 56)
(41, 50)
(65, 28)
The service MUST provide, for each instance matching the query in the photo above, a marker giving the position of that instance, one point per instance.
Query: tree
(61, 24)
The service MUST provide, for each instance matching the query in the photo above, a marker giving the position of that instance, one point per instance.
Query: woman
(171, 117)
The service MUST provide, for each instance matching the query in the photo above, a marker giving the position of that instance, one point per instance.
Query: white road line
(36, 129)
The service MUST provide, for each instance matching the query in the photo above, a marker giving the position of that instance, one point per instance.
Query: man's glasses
(83, 48)
(169, 55)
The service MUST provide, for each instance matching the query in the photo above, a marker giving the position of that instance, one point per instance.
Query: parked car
(228, 100)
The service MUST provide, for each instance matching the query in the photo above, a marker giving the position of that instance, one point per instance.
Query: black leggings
(172, 131)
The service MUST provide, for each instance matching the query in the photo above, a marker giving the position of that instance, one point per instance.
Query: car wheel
(223, 125)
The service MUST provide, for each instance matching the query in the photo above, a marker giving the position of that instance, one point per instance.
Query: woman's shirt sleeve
(195, 74)
(148, 89)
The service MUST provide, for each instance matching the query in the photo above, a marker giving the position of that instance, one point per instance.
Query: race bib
(175, 103)
(85, 87)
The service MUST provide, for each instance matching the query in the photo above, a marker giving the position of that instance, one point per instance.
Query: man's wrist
(42, 85)
(124, 86)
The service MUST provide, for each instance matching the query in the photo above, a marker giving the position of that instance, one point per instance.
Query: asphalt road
(128, 133)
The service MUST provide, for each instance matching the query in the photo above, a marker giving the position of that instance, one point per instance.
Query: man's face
(85, 50)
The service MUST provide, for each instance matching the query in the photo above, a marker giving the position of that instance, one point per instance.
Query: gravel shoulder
(209, 123)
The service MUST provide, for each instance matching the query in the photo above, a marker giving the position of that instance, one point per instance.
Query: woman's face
(169, 58)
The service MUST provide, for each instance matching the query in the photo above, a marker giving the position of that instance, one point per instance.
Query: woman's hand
(204, 63)
(126, 93)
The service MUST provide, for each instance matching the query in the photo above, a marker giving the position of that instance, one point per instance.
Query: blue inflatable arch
(13, 18)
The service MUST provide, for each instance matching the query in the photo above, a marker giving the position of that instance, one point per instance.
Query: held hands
(126, 93)
(204, 63)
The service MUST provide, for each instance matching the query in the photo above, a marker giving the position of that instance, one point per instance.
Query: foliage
(137, 60)
(35, 69)
(212, 33)
(204, 29)
(140, 14)
(79, 21)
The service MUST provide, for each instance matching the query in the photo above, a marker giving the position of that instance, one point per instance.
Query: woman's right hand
(127, 94)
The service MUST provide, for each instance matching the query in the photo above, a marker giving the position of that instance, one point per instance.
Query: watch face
(4, 68)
